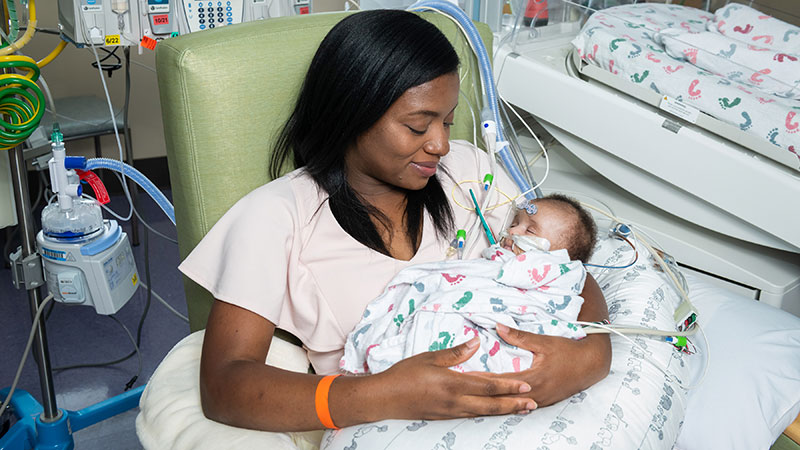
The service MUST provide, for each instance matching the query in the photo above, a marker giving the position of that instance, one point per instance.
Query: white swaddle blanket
(439, 305)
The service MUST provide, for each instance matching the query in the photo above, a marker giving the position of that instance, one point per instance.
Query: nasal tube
(527, 243)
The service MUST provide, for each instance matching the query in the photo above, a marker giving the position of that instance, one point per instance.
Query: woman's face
(403, 148)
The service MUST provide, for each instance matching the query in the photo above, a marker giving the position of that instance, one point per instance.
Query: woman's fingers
(483, 406)
(524, 340)
(490, 386)
(476, 384)
(455, 355)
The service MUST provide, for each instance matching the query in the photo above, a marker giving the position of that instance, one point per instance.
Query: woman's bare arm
(238, 389)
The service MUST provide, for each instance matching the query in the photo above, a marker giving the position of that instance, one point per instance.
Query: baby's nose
(516, 229)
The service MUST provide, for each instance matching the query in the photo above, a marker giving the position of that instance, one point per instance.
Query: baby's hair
(583, 230)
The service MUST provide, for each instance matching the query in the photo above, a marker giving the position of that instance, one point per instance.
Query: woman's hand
(423, 387)
(561, 366)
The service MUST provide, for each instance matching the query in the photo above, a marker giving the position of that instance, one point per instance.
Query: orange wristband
(321, 401)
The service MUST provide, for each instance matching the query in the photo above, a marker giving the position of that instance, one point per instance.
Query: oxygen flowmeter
(87, 260)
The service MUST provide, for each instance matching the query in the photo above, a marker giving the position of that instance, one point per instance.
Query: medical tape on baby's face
(527, 243)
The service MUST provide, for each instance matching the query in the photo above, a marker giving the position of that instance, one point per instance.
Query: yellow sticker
(135, 279)
(112, 39)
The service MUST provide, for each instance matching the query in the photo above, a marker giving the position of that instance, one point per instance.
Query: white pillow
(751, 392)
(636, 406)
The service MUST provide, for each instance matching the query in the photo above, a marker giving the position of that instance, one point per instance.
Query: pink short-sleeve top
(280, 253)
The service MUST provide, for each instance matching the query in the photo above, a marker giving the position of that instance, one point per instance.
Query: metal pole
(19, 177)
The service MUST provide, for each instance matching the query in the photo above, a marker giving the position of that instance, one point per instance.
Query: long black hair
(364, 64)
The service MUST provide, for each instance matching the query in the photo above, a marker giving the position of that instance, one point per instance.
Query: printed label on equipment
(148, 42)
(680, 109)
(112, 39)
(56, 255)
(158, 8)
(671, 125)
(161, 19)
(92, 8)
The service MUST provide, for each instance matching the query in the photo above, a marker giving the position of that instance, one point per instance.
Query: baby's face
(550, 222)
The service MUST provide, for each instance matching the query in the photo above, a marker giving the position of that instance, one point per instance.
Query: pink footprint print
(536, 276)
(515, 364)
(756, 77)
(670, 69)
(691, 55)
(652, 57)
(453, 280)
(766, 38)
(495, 348)
(611, 67)
(694, 94)
(792, 127)
(467, 330)
(593, 54)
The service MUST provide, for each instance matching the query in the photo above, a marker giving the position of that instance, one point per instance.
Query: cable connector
(130, 383)
(685, 316)
(487, 181)
(461, 238)
(489, 133)
(620, 229)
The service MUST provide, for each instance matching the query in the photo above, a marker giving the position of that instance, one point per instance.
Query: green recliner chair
(225, 94)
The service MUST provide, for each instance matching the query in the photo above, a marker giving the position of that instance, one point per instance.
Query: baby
(532, 281)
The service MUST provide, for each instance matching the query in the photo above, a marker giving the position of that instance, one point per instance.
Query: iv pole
(45, 425)
(41, 354)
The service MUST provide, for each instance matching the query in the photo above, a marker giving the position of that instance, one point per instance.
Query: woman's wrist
(598, 353)
(359, 399)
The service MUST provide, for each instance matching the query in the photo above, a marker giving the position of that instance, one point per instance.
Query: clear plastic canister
(76, 224)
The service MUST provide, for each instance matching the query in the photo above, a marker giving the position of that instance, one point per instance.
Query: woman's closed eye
(416, 131)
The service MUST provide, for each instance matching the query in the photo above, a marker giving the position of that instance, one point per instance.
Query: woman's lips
(426, 169)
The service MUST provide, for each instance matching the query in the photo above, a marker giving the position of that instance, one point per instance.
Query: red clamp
(97, 185)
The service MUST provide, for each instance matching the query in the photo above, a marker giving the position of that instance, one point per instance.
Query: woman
(308, 251)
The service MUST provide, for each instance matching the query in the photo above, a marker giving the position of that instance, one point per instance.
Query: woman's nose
(439, 144)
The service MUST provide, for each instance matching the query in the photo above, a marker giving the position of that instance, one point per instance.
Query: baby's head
(559, 219)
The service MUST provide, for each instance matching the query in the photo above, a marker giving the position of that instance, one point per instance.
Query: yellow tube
(27, 36)
(49, 58)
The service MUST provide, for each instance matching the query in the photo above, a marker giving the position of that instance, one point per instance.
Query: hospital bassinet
(223, 99)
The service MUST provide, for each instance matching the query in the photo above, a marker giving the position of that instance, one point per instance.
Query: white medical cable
(166, 305)
(652, 361)
(607, 329)
(659, 260)
(146, 225)
(144, 222)
(113, 117)
(47, 93)
(137, 63)
(73, 119)
(541, 146)
(27, 350)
